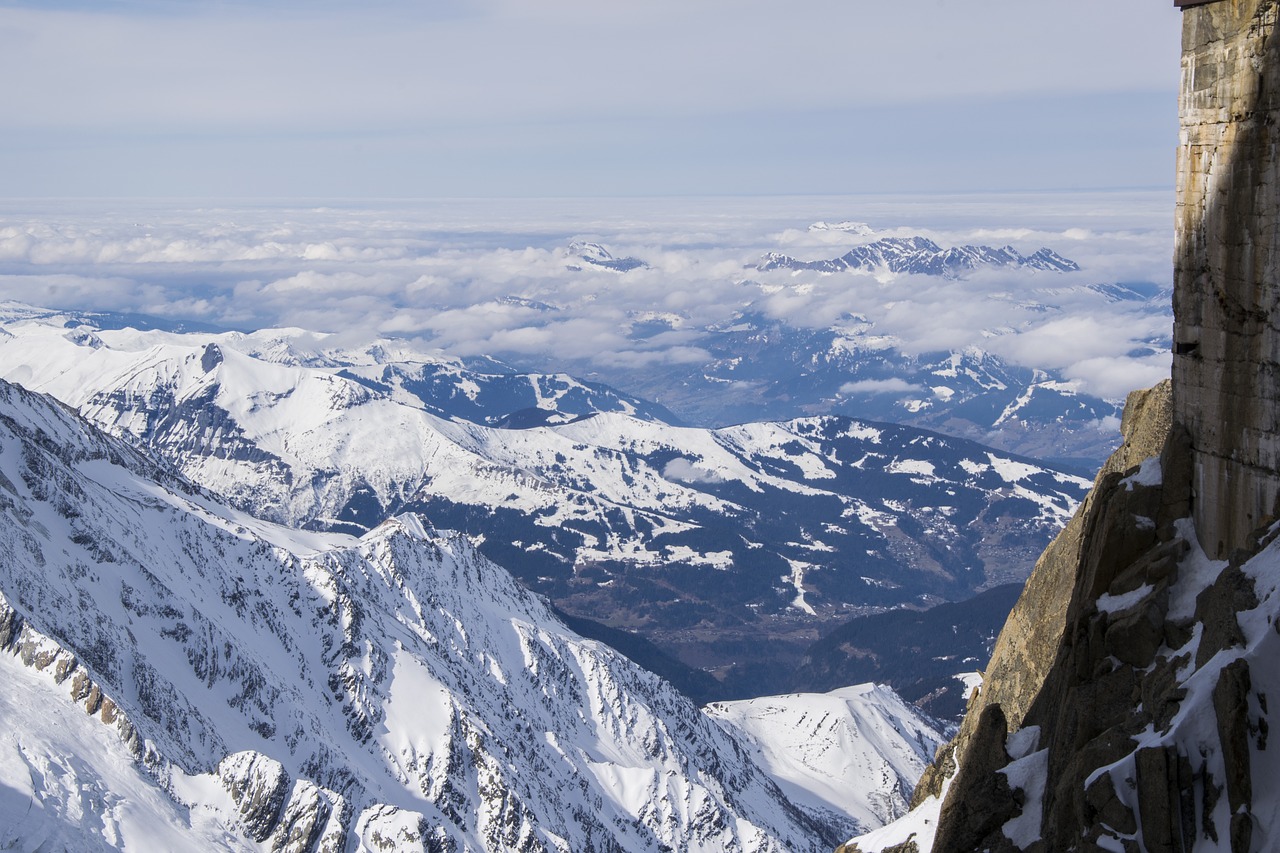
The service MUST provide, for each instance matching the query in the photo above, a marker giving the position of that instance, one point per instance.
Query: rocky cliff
(1126, 703)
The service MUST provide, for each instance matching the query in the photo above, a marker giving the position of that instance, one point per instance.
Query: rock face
(1125, 707)
(1226, 345)
(1126, 704)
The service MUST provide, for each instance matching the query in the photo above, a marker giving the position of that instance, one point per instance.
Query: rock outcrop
(1125, 706)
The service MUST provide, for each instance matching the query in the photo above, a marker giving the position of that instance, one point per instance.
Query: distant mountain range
(922, 256)
(896, 255)
(764, 369)
(702, 540)
(761, 367)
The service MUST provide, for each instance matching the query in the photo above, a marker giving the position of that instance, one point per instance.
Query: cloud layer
(492, 278)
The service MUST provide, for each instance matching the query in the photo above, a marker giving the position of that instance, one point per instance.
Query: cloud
(1086, 338)
(504, 98)
(685, 471)
(1115, 377)
(489, 277)
(333, 65)
(879, 386)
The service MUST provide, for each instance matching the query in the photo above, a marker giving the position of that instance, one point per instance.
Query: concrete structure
(1226, 367)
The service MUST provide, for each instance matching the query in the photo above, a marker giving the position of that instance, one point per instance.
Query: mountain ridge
(316, 691)
(922, 256)
(631, 522)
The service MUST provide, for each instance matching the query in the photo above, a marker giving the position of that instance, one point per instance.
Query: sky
(565, 98)
(283, 162)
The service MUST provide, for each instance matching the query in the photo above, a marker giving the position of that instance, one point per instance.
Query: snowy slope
(811, 515)
(317, 691)
(855, 752)
(69, 783)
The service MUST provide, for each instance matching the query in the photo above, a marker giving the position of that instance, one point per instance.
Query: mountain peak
(921, 256)
(597, 256)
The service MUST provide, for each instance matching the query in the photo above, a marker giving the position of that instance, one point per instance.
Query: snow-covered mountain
(848, 226)
(775, 527)
(595, 255)
(854, 753)
(180, 675)
(922, 256)
(479, 391)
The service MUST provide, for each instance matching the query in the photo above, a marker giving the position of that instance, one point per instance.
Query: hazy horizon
(456, 275)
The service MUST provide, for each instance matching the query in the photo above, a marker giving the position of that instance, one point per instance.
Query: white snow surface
(397, 686)
(68, 783)
(855, 753)
(919, 825)
(1149, 473)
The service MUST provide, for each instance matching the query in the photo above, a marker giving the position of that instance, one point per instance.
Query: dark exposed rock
(10, 626)
(1134, 636)
(1241, 833)
(301, 821)
(935, 775)
(1160, 692)
(211, 357)
(1216, 609)
(1112, 675)
(968, 822)
(259, 787)
(1231, 706)
(1212, 792)
(1102, 806)
(1165, 804)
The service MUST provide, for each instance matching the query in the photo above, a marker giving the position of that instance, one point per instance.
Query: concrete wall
(1226, 366)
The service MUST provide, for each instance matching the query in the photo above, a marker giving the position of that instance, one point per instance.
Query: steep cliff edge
(1124, 543)
(1126, 704)
(1025, 651)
